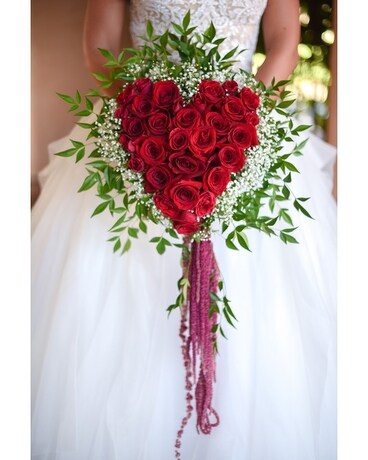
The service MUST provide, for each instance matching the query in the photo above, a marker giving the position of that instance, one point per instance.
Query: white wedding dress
(107, 372)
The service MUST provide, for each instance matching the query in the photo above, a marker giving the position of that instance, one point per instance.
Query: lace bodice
(237, 20)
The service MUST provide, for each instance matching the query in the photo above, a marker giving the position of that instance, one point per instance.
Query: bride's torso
(236, 20)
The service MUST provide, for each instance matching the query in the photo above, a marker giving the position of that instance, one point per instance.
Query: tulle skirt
(107, 373)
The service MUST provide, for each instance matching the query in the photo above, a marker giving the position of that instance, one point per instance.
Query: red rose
(124, 141)
(185, 163)
(202, 141)
(142, 106)
(158, 123)
(233, 108)
(121, 112)
(152, 150)
(133, 126)
(252, 118)
(165, 93)
(217, 121)
(185, 194)
(187, 118)
(230, 87)
(211, 90)
(177, 105)
(244, 135)
(186, 223)
(198, 102)
(126, 96)
(206, 204)
(232, 158)
(157, 177)
(165, 205)
(136, 164)
(249, 98)
(143, 86)
(216, 179)
(178, 139)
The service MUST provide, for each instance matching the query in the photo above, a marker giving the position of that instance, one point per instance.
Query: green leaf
(243, 240)
(210, 33)
(101, 77)
(287, 179)
(89, 182)
(133, 232)
(178, 28)
(66, 153)
(89, 104)
(228, 318)
(230, 54)
(83, 113)
(286, 238)
(80, 154)
(149, 29)
(66, 98)
(300, 208)
(230, 244)
(120, 221)
(286, 192)
(161, 247)
(284, 215)
(142, 226)
(85, 125)
(285, 104)
(117, 245)
(77, 144)
(127, 246)
(290, 166)
(186, 20)
(100, 208)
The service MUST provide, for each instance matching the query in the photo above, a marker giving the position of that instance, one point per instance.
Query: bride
(107, 376)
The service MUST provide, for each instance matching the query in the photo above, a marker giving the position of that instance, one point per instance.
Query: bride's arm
(281, 35)
(103, 28)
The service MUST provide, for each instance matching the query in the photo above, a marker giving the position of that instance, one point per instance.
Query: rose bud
(143, 86)
(165, 204)
(185, 163)
(216, 179)
(178, 139)
(232, 158)
(202, 141)
(211, 90)
(249, 98)
(206, 204)
(157, 178)
(133, 126)
(184, 193)
(152, 151)
(217, 121)
(244, 135)
(186, 223)
(233, 109)
(230, 87)
(142, 106)
(165, 92)
(187, 118)
(158, 123)
(136, 164)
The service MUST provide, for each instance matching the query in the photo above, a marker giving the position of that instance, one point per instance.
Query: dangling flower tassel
(198, 337)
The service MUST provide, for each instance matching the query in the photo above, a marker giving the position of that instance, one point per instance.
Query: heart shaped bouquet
(192, 145)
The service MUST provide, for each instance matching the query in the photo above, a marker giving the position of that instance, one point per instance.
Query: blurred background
(314, 79)
(57, 65)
